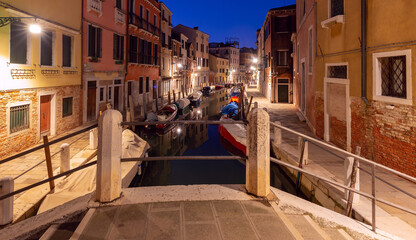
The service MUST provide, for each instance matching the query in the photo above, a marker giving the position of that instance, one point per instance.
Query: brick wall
(387, 136)
(12, 143)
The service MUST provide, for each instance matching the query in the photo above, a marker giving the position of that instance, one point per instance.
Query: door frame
(288, 88)
(120, 93)
(340, 81)
(85, 100)
(52, 130)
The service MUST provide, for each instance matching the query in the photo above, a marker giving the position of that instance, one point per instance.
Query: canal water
(197, 140)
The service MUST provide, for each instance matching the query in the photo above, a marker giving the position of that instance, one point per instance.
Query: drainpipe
(364, 50)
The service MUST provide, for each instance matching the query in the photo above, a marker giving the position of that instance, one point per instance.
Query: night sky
(224, 18)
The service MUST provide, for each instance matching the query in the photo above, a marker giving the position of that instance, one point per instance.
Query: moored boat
(235, 134)
(183, 105)
(195, 99)
(167, 113)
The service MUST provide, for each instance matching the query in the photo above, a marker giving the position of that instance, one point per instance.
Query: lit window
(66, 51)
(18, 43)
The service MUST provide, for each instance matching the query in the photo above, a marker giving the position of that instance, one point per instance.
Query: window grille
(337, 71)
(393, 76)
(19, 118)
(337, 7)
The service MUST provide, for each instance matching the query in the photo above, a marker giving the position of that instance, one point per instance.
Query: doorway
(45, 114)
(283, 90)
(91, 101)
(117, 98)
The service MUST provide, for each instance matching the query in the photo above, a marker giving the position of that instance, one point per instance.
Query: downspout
(364, 50)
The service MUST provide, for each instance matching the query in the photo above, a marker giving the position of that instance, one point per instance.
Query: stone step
(307, 227)
(337, 233)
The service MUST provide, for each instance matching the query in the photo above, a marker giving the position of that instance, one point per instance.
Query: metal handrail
(211, 122)
(341, 185)
(345, 152)
(47, 144)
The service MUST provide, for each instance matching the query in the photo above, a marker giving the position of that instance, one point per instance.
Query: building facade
(364, 90)
(230, 51)
(304, 45)
(40, 91)
(166, 51)
(248, 65)
(143, 53)
(278, 27)
(200, 42)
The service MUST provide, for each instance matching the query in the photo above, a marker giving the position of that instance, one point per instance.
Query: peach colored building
(103, 58)
(143, 50)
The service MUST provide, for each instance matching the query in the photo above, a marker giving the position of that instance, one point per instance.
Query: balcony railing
(94, 5)
(119, 16)
(143, 24)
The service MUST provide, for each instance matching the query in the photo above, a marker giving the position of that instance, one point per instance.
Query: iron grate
(393, 76)
(337, 7)
(338, 71)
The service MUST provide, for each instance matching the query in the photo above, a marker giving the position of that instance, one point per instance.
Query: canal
(197, 140)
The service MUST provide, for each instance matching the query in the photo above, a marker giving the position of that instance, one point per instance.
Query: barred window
(67, 106)
(340, 71)
(19, 118)
(337, 7)
(393, 76)
(282, 58)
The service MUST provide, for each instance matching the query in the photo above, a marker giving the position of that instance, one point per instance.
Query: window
(141, 11)
(393, 76)
(155, 20)
(102, 94)
(118, 4)
(282, 58)
(267, 31)
(147, 84)
(207, 50)
(282, 24)
(336, 7)
(46, 48)
(109, 93)
(133, 49)
(18, 43)
(147, 15)
(66, 51)
(118, 47)
(94, 41)
(337, 71)
(67, 106)
(202, 47)
(19, 118)
(197, 46)
(155, 53)
(310, 51)
(140, 85)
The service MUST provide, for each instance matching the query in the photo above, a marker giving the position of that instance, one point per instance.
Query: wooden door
(283, 93)
(45, 114)
(91, 101)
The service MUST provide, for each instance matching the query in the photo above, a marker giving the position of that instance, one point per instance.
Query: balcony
(119, 16)
(143, 24)
(94, 5)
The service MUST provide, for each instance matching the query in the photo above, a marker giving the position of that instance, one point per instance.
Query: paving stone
(164, 225)
(98, 226)
(258, 207)
(201, 232)
(130, 223)
(164, 205)
(198, 211)
(271, 227)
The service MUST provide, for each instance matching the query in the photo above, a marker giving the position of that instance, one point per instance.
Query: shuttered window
(118, 47)
(19, 118)
(133, 49)
(67, 106)
(140, 85)
(46, 48)
(94, 41)
(18, 43)
(66, 51)
(155, 55)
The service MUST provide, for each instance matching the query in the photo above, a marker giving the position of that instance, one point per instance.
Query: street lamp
(179, 65)
(252, 68)
(35, 28)
(255, 60)
(199, 67)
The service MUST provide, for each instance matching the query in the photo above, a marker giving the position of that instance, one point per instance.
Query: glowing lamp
(34, 28)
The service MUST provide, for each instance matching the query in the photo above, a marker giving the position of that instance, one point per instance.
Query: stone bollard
(305, 160)
(94, 138)
(6, 205)
(108, 156)
(277, 134)
(258, 152)
(65, 158)
(348, 170)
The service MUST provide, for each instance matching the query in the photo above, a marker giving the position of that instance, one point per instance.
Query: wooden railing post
(48, 162)
(6, 205)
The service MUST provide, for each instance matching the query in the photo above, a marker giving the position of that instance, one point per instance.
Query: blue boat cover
(230, 109)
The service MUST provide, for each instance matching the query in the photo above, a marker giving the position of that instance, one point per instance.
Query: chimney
(196, 28)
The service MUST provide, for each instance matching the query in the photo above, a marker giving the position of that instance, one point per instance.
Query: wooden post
(174, 96)
(48, 162)
(299, 177)
(131, 111)
(169, 98)
(249, 106)
(353, 183)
